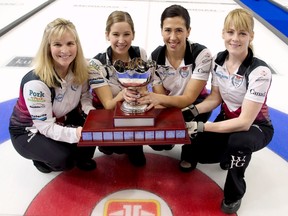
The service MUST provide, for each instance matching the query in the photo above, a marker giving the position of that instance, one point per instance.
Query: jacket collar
(131, 51)
(187, 56)
(220, 59)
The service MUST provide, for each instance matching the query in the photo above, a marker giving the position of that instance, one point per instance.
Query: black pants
(55, 154)
(234, 149)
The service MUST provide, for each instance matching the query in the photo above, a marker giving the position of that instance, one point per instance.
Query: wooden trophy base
(122, 119)
(169, 128)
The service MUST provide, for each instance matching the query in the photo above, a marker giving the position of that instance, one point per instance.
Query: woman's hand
(149, 98)
(130, 95)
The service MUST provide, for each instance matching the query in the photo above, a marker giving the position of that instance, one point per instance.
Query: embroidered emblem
(184, 71)
(237, 80)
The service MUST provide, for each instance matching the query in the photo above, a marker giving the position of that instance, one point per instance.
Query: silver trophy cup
(134, 75)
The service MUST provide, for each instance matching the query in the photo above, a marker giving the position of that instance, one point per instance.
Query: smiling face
(120, 37)
(237, 41)
(63, 51)
(175, 34)
(238, 32)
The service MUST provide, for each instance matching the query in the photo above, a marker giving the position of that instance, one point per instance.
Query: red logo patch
(132, 208)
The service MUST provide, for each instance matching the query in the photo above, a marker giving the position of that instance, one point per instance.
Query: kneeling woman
(240, 83)
(46, 122)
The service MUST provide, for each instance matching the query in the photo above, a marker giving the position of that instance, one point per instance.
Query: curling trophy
(134, 75)
(130, 123)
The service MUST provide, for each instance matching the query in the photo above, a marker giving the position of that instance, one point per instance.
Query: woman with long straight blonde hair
(46, 122)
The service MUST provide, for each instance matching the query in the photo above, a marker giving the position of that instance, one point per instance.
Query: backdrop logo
(132, 208)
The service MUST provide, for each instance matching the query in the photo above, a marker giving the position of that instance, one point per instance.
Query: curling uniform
(233, 150)
(37, 124)
(195, 65)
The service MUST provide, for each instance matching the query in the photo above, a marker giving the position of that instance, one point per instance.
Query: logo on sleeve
(36, 96)
(259, 94)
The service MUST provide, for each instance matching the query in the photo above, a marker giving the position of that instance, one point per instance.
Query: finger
(149, 107)
(132, 96)
(144, 93)
(142, 100)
